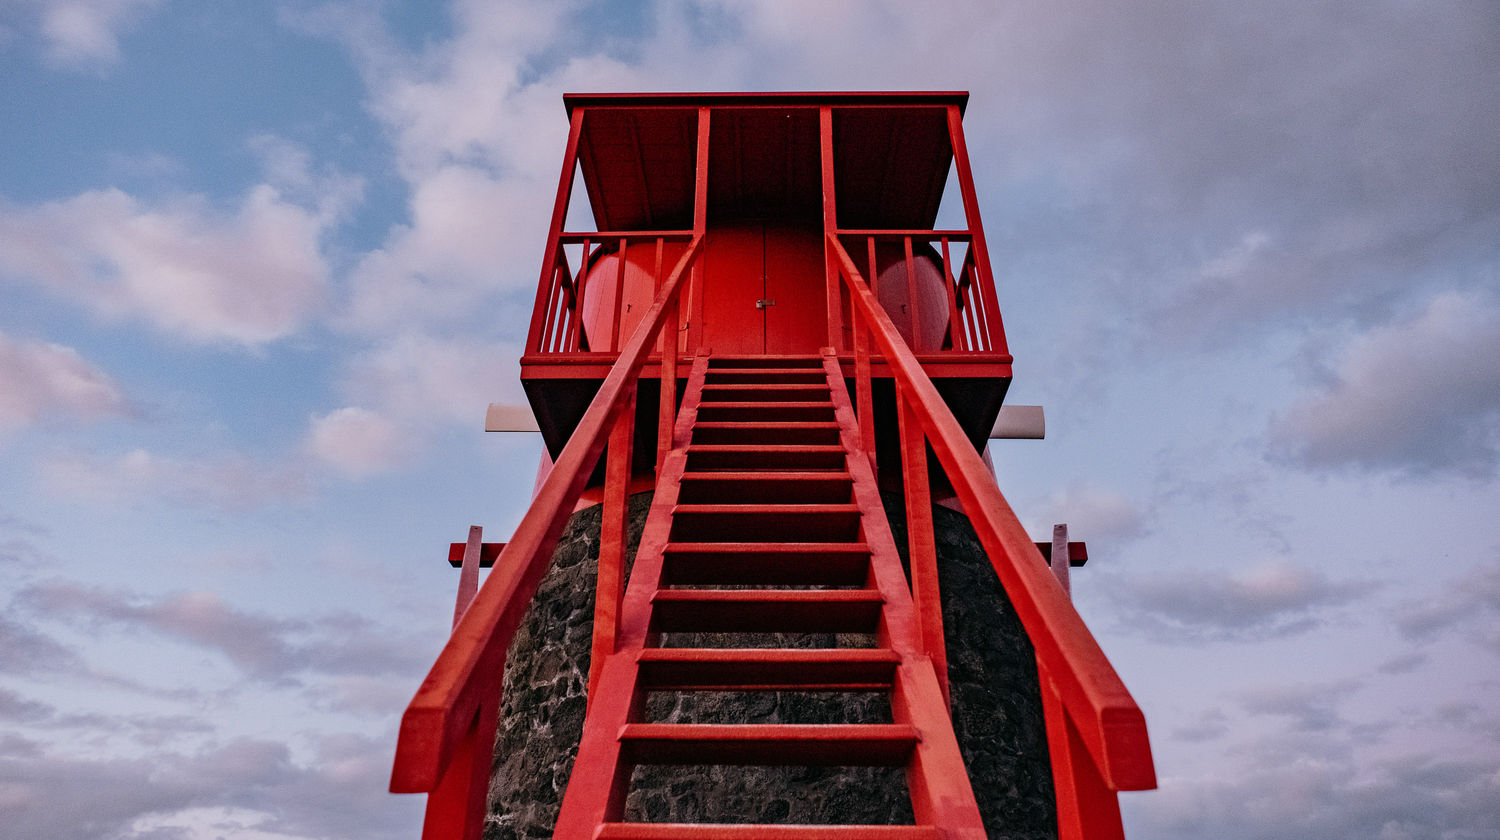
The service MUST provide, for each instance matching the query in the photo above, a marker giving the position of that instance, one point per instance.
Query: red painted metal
(753, 535)
(764, 475)
(468, 580)
(1095, 701)
(922, 543)
(610, 587)
(460, 690)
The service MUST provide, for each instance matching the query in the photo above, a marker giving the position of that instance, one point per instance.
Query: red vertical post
(700, 228)
(468, 574)
(920, 540)
(864, 403)
(559, 214)
(950, 291)
(667, 405)
(579, 282)
(830, 226)
(612, 538)
(977, 244)
(1086, 808)
(912, 298)
(456, 807)
(614, 328)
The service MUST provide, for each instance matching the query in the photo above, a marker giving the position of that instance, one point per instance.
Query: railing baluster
(614, 328)
(612, 536)
(580, 341)
(980, 310)
(667, 408)
(921, 543)
(1096, 732)
(950, 291)
(864, 403)
(447, 735)
(913, 307)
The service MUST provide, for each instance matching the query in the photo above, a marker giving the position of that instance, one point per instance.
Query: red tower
(765, 328)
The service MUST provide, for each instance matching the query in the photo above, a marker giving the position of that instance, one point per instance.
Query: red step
(847, 744)
(770, 375)
(698, 831)
(783, 486)
(753, 410)
(759, 392)
(767, 669)
(762, 522)
(779, 433)
(751, 457)
(718, 363)
(766, 564)
(766, 610)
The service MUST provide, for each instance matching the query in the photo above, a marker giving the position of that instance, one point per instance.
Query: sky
(263, 265)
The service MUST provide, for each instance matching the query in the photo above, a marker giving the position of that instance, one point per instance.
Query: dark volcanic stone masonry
(997, 711)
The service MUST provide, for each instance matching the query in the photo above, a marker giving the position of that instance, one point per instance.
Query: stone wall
(996, 707)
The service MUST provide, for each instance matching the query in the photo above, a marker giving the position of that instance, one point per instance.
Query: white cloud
(230, 482)
(355, 440)
(250, 276)
(1091, 513)
(424, 380)
(1472, 601)
(1420, 396)
(87, 32)
(41, 379)
(1273, 598)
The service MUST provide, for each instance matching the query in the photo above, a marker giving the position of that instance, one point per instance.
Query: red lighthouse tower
(765, 330)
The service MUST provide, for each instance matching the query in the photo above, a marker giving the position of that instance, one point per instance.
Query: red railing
(1096, 734)
(973, 323)
(559, 328)
(447, 734)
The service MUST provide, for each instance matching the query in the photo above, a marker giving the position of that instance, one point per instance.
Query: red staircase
(764, 481)
(766, 487)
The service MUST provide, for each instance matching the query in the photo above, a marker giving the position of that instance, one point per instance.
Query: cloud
(1092, 513)
(247, 277)
(1418, 397)
(25, 650)
(1472, 600)
(262, 646)
(1309, 708)
(84, 33)
(354, 440)
(1274, 598)
(251, 788)
(227, 482)
(43, 379)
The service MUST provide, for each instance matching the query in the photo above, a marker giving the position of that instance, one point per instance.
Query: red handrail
(465, 680)
(1111, 726)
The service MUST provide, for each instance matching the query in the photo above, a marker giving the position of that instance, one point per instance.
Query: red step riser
(700, 564)
(681, 831)
(767, 434)
(751, 527)
(766, 611)
(752, 488)
(865, 745)
(766, 376)
(770, 412)
(765, 393)
(680, 669)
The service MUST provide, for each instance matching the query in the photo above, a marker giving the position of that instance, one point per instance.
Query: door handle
(763, 303)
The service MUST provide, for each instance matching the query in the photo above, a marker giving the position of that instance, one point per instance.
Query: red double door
(764, 289)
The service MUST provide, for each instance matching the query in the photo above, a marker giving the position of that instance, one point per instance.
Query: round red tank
(731, 311)
(894, 292)
(603, 282)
